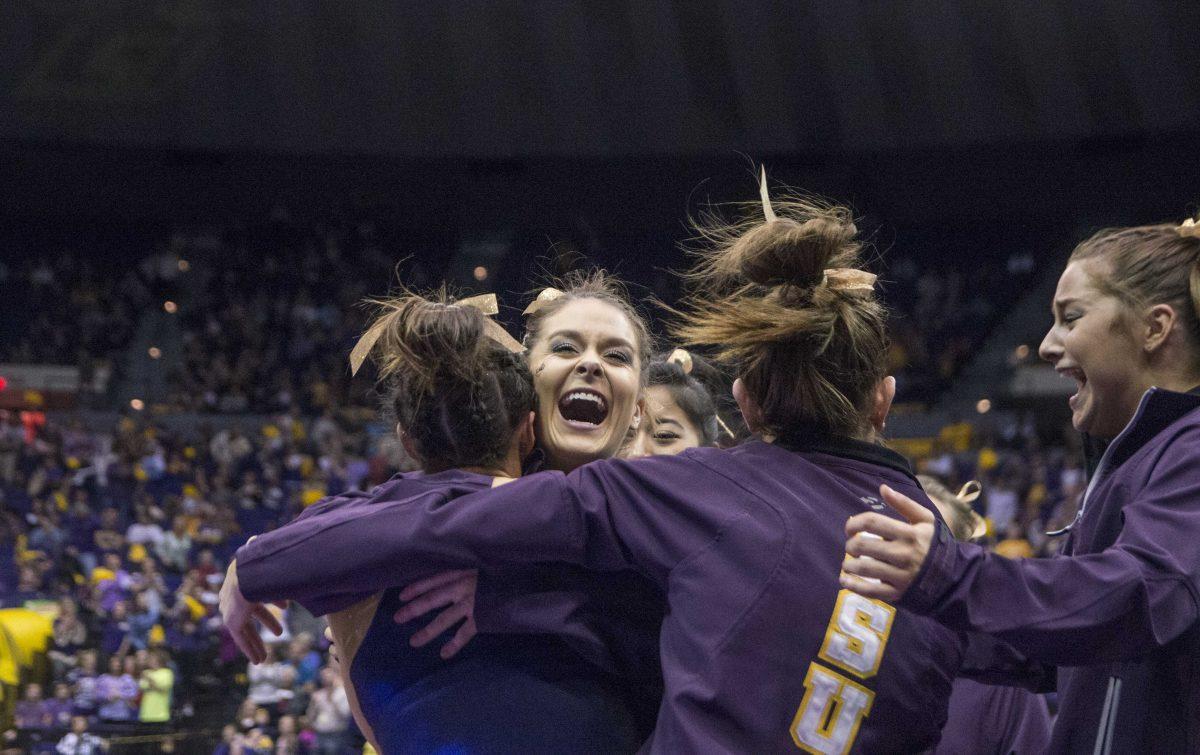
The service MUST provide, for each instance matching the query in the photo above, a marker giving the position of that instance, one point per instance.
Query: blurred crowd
(122, 535)
(266, 312)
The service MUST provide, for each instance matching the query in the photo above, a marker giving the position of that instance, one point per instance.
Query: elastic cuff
(935, 575)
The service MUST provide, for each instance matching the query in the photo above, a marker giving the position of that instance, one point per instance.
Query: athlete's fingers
(263, 614)
(869, 568)
(443, 621)
(238, 640)
(900, 554)
(464, 635)
(461, 589)
(423, 605)
(329, 635)
(869, 589)
(252, 644)
(423, 586)
(914, 512)
(878, 524)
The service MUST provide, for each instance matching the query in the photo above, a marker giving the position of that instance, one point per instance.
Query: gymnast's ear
(410, 446)
(885, 393)
(751, 412)
(525, 435)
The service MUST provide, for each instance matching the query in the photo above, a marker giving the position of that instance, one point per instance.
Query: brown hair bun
(786, 252)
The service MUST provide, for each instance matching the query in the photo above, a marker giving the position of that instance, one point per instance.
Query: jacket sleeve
(989, 661)
(324, 558)
(1139, 594)
(606, 516)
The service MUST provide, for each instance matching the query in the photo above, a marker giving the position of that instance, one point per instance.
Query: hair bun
(788, 252)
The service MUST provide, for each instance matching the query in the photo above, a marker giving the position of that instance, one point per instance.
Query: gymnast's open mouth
(583, 408)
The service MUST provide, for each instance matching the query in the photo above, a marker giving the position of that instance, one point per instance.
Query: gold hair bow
(968, 494)
(1189, 227)
(849, 279)
(682, 358)
(485, 303)
(545, 297)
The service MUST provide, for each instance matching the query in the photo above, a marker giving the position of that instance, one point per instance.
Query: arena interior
(196, 198)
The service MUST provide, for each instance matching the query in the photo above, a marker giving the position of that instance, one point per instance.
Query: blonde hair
(1150, 264)
(601, 286)
(966, 522)
(808, 352)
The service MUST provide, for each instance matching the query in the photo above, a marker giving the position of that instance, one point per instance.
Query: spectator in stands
(30, 587)
(108, 537)
(48, 536)
(142, 620)
(157, 682)
(84, 679)
(79, 741)
(117, 692)
(1014, 544)
(288, 740)
(175, 546)
(60, 707)
(329, 713)
(30, 713)
(304, 659)
(70, 636)
(229, 737)
(145, 530)
(267, 685)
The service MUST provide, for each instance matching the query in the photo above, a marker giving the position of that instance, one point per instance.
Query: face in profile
(1091, 342)
(665, 429)
(587, 374)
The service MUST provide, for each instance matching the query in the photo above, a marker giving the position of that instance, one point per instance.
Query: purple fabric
(1120, 610)
(328, 530)
(612, 622)
(748, 545)
(992, 720)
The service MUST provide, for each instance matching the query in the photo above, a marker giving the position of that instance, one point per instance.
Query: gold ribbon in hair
(485, 303)
(768, 213)
(849, 279)
(545, 297)
(968, 494)
(682, 358)
(1189, 227)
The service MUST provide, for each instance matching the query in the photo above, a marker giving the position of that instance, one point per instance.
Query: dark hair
(455, 392)
(690, 395)
(809, 349)
(1151, 264)
(599, 285)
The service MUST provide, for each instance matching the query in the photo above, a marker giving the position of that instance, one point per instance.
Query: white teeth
(580, 395)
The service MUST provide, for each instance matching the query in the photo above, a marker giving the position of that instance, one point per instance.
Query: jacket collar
(848, 448)
(1157, 410)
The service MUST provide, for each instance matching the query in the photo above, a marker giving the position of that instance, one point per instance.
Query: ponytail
(455, 391)
(783, 300)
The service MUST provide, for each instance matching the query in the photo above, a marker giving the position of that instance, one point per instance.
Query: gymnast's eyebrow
(575, 335)
(1061, 304)
(668, 420)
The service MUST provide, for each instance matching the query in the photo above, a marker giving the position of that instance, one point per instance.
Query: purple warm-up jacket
(761, 649)
(1119, 612)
